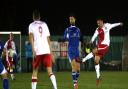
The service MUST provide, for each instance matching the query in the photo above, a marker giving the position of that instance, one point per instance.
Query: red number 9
(40, 30)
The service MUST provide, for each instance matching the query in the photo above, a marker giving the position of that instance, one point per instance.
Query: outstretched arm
(115, 25)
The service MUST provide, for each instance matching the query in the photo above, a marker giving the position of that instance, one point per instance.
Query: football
(87, 50)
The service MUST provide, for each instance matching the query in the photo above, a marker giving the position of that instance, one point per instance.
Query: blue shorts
(73, 53)
(1, 66)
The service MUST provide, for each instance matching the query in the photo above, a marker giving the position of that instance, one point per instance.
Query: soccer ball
(87, 50)
(11, 52)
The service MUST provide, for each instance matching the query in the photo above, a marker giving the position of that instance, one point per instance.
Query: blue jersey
(72, 34)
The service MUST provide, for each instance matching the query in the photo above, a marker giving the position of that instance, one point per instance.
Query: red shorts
(45, 60)
(9, 62)
(102, 50)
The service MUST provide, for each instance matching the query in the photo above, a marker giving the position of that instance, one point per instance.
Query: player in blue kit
(3, 71)
(72, 35)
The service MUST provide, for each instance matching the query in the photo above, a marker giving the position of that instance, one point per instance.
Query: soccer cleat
(13, 77)
(76, 86)
(98, 80)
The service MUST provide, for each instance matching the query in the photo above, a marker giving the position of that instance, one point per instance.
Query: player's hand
(53, 59)
(34, 55)
(3, 54)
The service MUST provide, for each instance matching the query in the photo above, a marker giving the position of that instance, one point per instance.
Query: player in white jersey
(39, 38)
(103, 34)
(10, 49)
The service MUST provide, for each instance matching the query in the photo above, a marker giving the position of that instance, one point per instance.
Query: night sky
(16, 15)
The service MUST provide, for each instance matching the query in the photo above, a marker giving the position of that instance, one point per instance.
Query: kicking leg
(89, 56)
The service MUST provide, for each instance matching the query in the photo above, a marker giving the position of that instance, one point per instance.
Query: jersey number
(40, 30)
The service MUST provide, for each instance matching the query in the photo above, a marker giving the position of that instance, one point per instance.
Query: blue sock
(77, 75)
(74, 77)
(5, 84)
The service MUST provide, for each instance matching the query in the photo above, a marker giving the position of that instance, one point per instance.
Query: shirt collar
(72, 26)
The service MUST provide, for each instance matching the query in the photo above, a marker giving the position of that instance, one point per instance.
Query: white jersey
(104, 33)
(40, 32)
(10, 45)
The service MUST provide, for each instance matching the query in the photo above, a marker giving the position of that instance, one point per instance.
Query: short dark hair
(36, 14)
(100, 18)
(72, 15)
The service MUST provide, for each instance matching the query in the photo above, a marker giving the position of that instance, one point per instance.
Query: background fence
(111, 61)
(115, 59)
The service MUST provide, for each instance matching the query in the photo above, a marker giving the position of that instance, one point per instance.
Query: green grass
(110, 80)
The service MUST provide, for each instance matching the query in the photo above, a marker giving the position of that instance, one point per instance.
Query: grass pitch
(87, 80)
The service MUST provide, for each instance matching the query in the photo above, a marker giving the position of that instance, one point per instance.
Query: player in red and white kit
(39, 38)
(103, 34)
(10, 50)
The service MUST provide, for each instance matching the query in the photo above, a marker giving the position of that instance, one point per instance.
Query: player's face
(72, 20)
(100, 23)
(11, 37)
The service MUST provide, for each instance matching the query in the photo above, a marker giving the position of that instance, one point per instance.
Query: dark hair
(36, 14)
(100, 18)
(72, 15)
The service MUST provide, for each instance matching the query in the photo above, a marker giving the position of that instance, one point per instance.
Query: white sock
(12, 75)
(89, 56)
(34, 82)
(53, 80)
(34, 85)
(97, 68)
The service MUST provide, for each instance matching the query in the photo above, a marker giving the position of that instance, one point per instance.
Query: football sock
(34, 82)
(89, 56)
(12, 74)
(74, 77)
(77, 75)
(97, 68)
(53, 80)
(5, 84)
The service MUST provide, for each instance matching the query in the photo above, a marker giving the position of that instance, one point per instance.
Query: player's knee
(73, 64)
(78, 67)
(74, 67)
(95, 51)
(97, 59)
(49, 70)
(35, 72)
